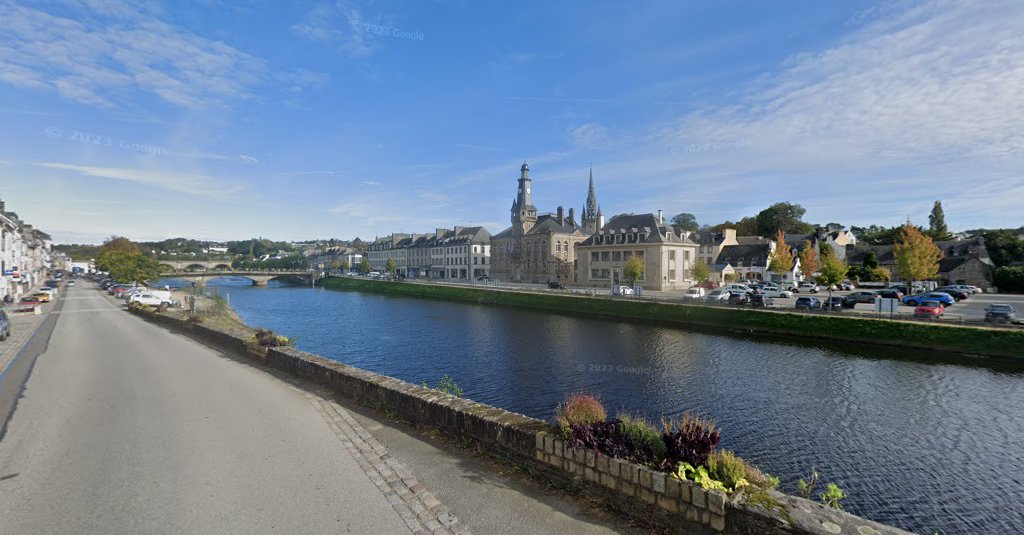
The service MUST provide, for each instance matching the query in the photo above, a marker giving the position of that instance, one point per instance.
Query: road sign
(886, 305)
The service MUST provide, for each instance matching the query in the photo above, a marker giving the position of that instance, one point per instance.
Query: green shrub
(640, 431)
(727, 467)
(447, 385)
(579, 408)
(832, 495)
(267, 338)
(1009, 279)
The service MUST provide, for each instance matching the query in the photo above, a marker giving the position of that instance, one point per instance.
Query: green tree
(364, 265)
(633, 269)
(784, 216)
(344, 265)
(335, 265)
(1004, 246)
(808, 259)
(917, 256)
(937, 228)
(1009, 279)
(700, 271)
(390, 265)
(832, 270)
(685, 221)
(870, 260)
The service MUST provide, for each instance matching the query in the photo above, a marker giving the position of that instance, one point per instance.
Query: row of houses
(556, 247)
(24, 254)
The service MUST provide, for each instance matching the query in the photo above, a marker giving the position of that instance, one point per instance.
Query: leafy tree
(119, 243)
(700, 271)
(870, 260)
(125, 267)
(364, 264)
(824, 249)
(1004, 246)
(937, 228)
(832, 270)
(685, 221)
(781, 259)
(808, 259)
(784, 216)
(917, 256)
(633, 269)
(1009, 279)
(344, 265)
(335, 265)
(729, 277)
(390, 266)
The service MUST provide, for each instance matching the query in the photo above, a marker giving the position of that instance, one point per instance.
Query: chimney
(561, 216)
(572, 216)
(600, 221)
(661, 217)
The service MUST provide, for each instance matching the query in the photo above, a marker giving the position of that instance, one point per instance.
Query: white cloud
(248, 160)
(337, 24)
(104, 50)
(370, 183)
(194, 184)
(590, 135)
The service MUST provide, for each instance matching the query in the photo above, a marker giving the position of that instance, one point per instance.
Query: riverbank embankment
(678, 506)
(950, 339)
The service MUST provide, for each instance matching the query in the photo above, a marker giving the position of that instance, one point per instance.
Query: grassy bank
(947, 338)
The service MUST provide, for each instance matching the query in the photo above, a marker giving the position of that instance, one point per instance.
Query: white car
(736, 288)
(148, 299)
(717, 296)
(775, 291)
(694, 293)
(806, 286)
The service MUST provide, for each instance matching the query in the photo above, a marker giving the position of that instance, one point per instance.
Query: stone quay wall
(637, 491)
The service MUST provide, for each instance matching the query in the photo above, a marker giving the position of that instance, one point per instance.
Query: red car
(29, 301)
(930, 310)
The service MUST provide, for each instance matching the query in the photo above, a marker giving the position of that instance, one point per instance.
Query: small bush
(642, 436)
(832, 495)
(602, 437)
(760, 479)
(579, 409)
(267, 338)
(728, 468)
(448, 386)
(689, 440)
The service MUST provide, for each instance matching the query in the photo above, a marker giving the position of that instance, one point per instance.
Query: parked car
(43, 297)
(148, 299)
(890, 293)
(955, 291)
(5, 326)
(835, 302)
(970, 290)
(29, 300)
(760, 300)
(847, 286)
(483, 278)
(863, 296)
(848, 301)
(929, 309)
(808, 303)
(806, 286)
(1000, 313)
(717, 296)
(735, 287)
(71, 282)
(555, 285)
(775, 291)
(915, 300)
(738, 298)
(694, 294)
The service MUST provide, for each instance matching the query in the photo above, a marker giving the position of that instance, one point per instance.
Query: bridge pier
(259, 282)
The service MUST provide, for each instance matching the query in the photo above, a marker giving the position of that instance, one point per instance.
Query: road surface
(127, 428)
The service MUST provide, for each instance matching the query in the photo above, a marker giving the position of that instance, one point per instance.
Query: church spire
(590, 217)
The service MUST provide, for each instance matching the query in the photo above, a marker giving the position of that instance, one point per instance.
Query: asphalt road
(127, 428)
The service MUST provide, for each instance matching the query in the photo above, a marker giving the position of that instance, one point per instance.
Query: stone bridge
(258, 278)
(177, 266)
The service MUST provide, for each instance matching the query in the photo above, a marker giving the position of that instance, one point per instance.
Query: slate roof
(645, 226)
(744, 255)
(546, 223)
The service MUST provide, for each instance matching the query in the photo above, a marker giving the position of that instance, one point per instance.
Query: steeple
(590, 218)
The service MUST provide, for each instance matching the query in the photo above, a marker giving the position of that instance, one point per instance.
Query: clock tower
(524, 213)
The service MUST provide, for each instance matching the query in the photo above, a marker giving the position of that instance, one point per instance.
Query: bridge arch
(167, 268)
(222, 267)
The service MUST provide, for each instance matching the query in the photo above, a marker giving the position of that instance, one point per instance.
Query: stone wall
(635, 490)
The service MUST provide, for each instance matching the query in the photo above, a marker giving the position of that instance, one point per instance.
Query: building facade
(539, 247)
(24, 255)
(668, 257)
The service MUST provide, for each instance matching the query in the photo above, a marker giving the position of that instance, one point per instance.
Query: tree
(390, 265)
(832, 271)
(917, 256)
(335, 265)
(870, 260)
(345, 266)
(633, 269)
(781, 259)
(685, 221)
(808, 259)
(700, 271)
(119, 243)
(729, 277)
(364, 265)
(937, 228)
(784, 216)
(1004, 246)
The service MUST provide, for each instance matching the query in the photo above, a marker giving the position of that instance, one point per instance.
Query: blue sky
(226, 120)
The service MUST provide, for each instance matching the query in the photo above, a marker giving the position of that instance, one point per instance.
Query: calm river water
(923, 446)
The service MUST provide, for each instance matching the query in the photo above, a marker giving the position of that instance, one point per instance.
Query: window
(593, 256)
(605, 256)
(672, 255)
(558, 246)
(671, 274)
(616, 256)
(640, 254)
(686, 256)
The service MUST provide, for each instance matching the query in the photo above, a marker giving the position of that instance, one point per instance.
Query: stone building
(461, 253)
(540, 247)
(962, 262)
(667, 256)
(24, 254)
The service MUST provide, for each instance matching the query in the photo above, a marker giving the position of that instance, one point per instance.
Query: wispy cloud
(336, 24)
(194, 184)
(101, 52)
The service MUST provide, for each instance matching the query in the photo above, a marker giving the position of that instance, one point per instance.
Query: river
(928, 447)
